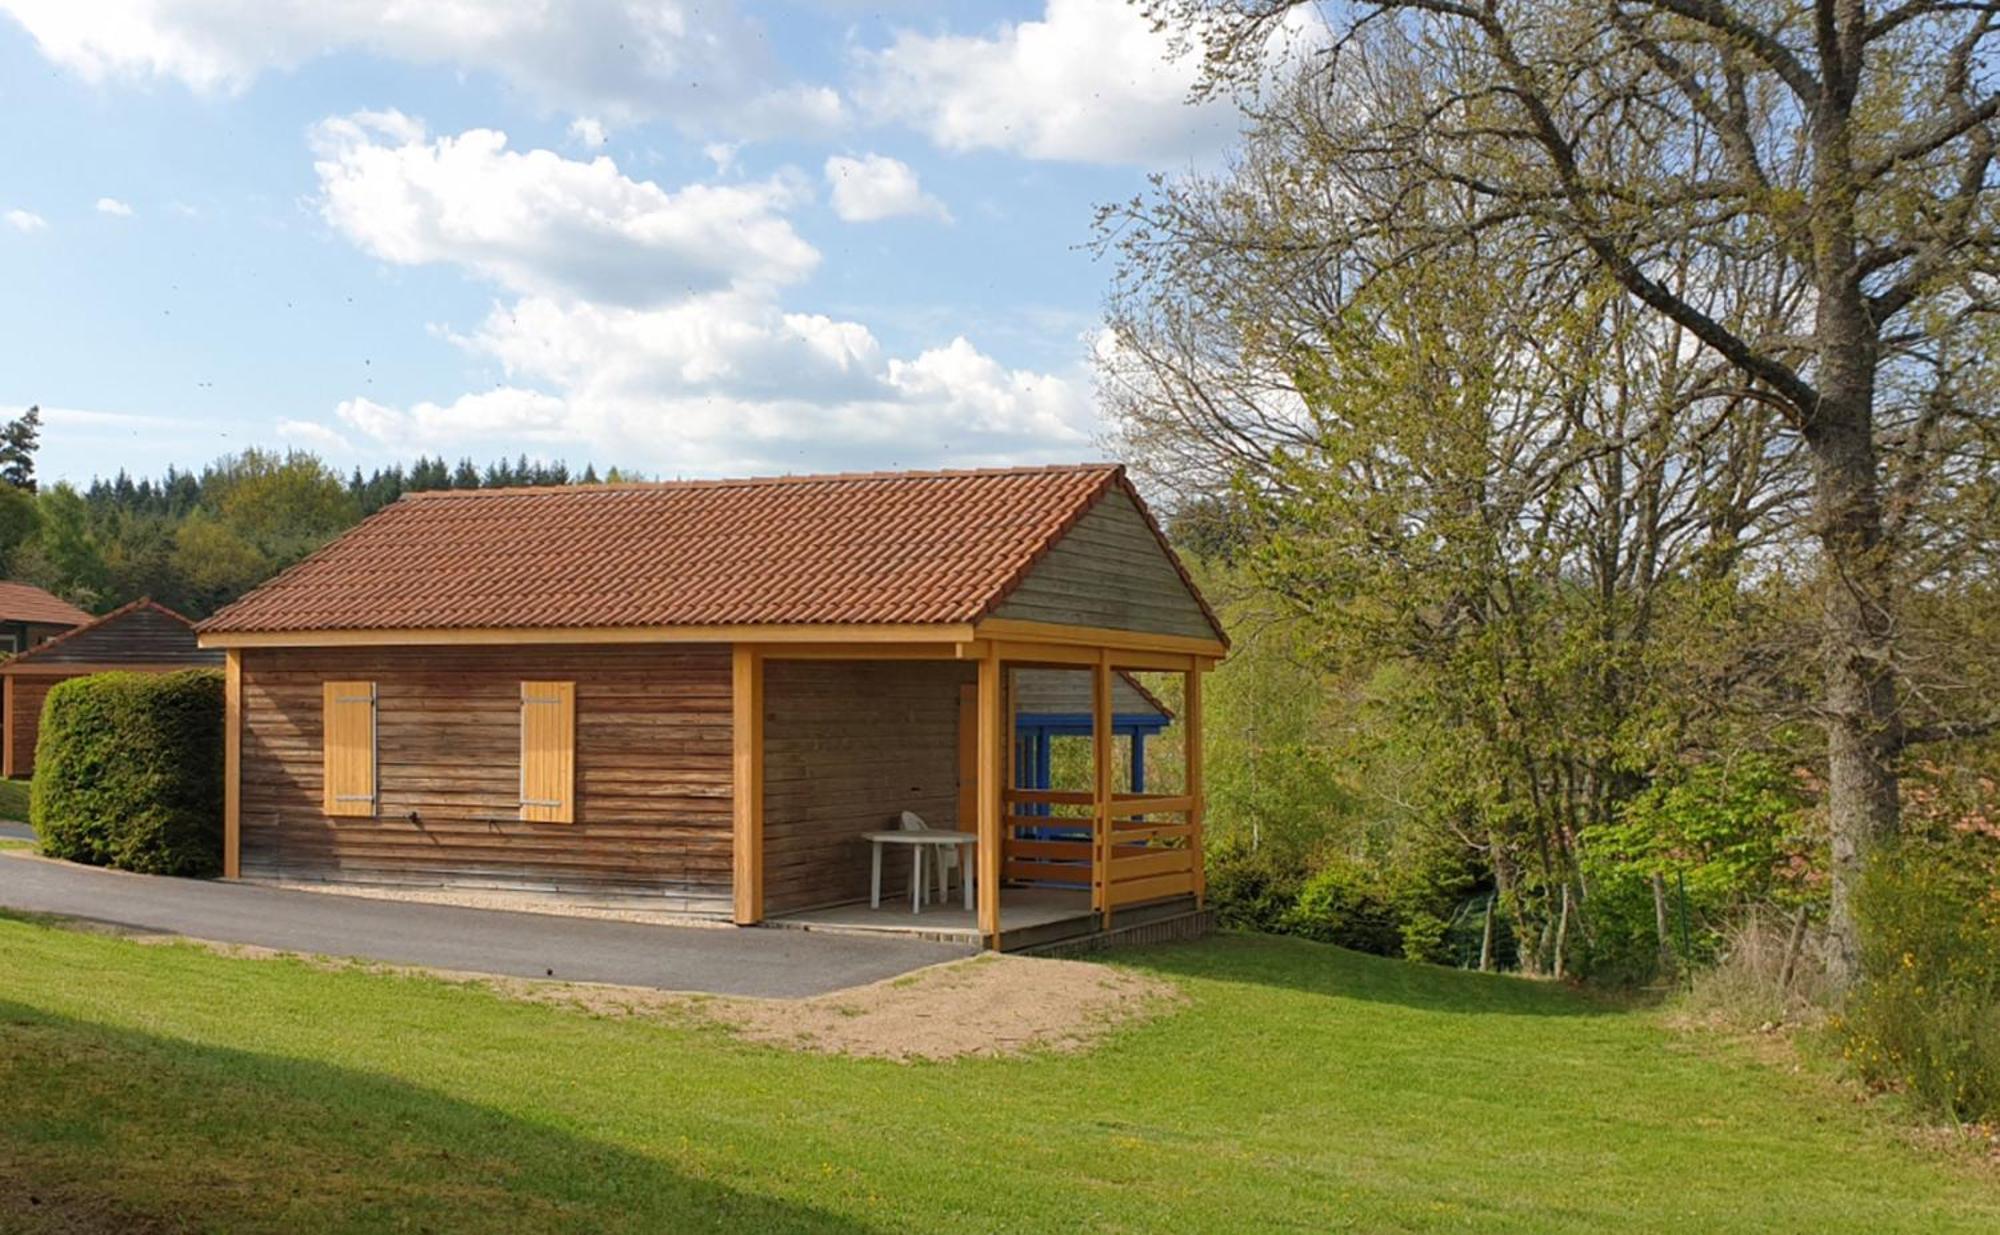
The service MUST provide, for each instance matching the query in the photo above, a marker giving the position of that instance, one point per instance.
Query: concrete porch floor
(1020, 909)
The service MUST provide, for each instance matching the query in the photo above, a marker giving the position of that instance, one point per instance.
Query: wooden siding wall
(652, 772)
(29, 692)
(141, 637)
(847, 746)
(1109, 571)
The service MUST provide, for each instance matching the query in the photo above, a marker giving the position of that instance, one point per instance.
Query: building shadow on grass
(112, 1129)
(1323, 969)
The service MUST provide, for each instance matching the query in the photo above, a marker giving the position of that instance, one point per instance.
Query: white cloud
(112, 206)
(312, 435)
(729, 384)
(536, 222)
(699, 65)
(876, 186)
(25, 221)
(645, 326)
(589, 131)
(1092, 82)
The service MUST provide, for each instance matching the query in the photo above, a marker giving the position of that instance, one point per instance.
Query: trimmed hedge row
(128, 772)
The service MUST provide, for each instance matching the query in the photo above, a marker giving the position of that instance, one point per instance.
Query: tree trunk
(1486, 937)
(1863, 728)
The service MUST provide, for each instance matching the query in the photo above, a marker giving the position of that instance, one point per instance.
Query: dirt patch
(986, 1006)
(989, 1005)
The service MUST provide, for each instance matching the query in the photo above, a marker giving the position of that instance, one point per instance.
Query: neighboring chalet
(702, 694)
(143, 637)
(30, 616)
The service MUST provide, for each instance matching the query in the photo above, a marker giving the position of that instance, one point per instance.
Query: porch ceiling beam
(1018, 630)
(865, 651)
(946, 633)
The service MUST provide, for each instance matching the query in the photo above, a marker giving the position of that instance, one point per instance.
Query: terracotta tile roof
(911, 547)
(23, 602)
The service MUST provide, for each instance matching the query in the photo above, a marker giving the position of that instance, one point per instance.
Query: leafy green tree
(18, 525)
(67, 558)
(1803, 191)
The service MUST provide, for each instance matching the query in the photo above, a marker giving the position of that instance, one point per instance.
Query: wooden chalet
(701, 695)
(143, 637)
(29, 616)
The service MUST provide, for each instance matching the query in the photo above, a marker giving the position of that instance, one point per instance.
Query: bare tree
(1842, 150)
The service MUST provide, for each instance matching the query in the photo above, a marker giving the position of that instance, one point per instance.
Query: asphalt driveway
(9, 830)
(780, 964)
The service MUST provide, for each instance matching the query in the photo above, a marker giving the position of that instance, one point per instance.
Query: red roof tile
(914, 547)
(23, 602)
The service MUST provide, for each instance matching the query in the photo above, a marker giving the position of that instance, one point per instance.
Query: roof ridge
(756, 482)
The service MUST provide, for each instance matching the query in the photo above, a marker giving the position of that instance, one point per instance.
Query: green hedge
(128, 772)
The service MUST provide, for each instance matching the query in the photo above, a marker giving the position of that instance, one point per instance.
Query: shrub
(1251, 889)
(1926, 1017)
(128, 772)
(1342, 902)
(1423, 938)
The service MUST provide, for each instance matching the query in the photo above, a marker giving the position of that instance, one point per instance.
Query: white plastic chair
(944, 858)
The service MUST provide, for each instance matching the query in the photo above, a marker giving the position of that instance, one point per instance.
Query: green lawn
(14, 800)
(1300, 1087)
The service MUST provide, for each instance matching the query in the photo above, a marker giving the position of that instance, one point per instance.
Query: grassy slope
(1301, 1088)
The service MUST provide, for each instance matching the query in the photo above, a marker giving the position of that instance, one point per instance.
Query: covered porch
(1030, 738)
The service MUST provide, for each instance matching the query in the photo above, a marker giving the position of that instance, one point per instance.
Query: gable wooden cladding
(651, 771)
(1111, 572)
(548, 752)
(347, 749)
(141, 635)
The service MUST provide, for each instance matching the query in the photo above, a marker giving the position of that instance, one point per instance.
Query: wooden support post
(232, 764)
(747, 742)
(1100, 811)
(1191, 706)
(992, 734)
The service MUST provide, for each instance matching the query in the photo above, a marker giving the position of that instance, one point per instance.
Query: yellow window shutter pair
(348, 748)
(548, 752)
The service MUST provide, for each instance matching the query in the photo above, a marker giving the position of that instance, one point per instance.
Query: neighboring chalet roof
(141, 633)
(24, 602)
(1066, 692)
(875, 548)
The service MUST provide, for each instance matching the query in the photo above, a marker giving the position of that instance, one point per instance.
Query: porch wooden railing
(1141, 849)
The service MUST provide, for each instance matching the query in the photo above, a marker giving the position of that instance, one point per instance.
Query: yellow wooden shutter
(548, 752)
(349, 748)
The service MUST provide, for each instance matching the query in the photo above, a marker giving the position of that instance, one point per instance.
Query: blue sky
(691, 239)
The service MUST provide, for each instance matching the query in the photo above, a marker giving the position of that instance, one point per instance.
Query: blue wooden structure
(1055, 703)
